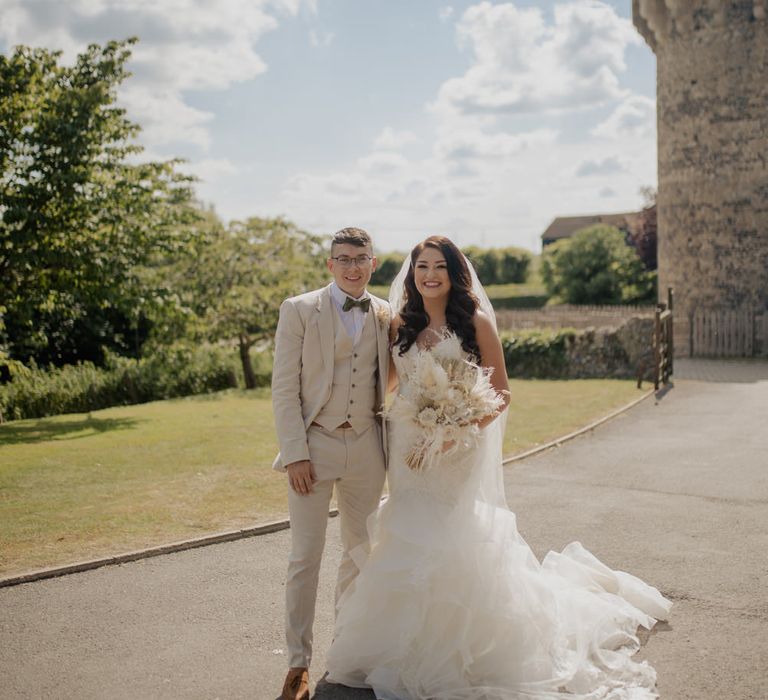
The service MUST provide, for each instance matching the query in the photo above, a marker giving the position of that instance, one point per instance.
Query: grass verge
(81, 486)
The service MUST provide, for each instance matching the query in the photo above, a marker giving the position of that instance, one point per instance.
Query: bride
(450, 602)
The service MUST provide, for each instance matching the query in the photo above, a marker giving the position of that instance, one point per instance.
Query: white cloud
(210, 170)
(467, 144)
(607, 166)
(392, 140)
(191, 66)
(165, 117)
(445, 13)
(522, 64)
(320, 39)
(335, 184)
(634, 118)
(382, 162)
(185, 45)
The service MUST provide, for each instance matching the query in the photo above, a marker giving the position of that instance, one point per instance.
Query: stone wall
(614, 353)
(712, 88)
(590, 353)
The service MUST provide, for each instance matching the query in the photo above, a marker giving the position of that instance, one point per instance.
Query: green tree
(486, 263)
(499, 265)
(514, 264)
(78, 221)
(644, 236)
(388, 266)
(596, 266)
(237, 276)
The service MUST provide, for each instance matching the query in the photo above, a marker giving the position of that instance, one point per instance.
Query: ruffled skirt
(451, 604)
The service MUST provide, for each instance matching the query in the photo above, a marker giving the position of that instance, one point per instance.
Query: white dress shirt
(352, 320)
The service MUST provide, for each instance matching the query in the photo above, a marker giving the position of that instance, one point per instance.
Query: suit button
(355, 355)
(349, 415)
(354, 370)
(353, 386)
(351, 401)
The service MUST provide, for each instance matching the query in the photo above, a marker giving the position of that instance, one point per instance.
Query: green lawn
(80, 486)
(544, 409)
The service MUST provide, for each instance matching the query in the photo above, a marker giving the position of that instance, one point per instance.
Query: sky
(481, 121)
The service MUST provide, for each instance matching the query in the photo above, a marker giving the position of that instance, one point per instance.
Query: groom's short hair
(355, 236)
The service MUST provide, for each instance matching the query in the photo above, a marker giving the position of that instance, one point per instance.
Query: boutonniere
(382, 316)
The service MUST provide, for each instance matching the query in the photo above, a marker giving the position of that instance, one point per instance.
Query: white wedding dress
(451, 604)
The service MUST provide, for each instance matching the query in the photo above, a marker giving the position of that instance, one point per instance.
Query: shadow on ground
(44, 429)
(331, 691)
(660, 627)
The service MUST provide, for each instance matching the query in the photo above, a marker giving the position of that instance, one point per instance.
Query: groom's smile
(352, 267)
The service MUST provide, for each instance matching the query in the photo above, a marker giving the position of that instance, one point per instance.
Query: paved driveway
(675, 491)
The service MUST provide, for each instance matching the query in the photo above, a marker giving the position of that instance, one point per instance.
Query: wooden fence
(569, 316)
(731, 333)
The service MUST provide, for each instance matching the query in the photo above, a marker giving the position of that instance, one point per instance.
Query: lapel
(326, 327)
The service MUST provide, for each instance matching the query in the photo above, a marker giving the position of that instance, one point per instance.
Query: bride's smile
(431, 274)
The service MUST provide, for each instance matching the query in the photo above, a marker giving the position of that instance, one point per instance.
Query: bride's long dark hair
(461, 307)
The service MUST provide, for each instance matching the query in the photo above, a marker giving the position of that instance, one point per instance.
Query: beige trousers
(354, 465)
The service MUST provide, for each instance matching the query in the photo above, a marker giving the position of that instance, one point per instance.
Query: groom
(328, 384)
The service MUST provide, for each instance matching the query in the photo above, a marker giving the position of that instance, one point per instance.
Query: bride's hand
(448, 445)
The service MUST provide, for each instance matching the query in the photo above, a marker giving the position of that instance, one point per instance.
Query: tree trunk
(245, 359)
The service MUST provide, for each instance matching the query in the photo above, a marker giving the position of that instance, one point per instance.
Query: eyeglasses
(346, 261)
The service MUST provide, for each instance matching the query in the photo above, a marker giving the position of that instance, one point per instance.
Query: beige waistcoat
(353, 393)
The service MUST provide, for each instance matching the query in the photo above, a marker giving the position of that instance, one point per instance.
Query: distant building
(566, 226)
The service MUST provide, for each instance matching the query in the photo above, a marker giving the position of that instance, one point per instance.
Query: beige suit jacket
(302, 373)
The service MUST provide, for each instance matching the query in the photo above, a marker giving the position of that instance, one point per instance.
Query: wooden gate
(733, 333)
(663, 342)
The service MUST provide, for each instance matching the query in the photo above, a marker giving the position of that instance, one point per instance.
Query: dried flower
(382, 316)
(445, 396)
(427, 417)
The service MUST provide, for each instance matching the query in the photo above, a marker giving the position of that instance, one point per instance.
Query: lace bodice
(451, 480)
(404, 363)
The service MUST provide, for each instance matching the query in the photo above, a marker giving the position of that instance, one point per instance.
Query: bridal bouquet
(443, 397)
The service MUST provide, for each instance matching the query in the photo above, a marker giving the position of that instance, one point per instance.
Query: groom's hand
(301, 476)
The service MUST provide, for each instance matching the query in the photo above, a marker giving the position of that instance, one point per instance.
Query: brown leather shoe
(296, 686)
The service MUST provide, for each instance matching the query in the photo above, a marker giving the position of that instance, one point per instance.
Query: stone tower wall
(712, 106)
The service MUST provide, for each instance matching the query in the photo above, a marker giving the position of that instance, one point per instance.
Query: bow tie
(350, 303)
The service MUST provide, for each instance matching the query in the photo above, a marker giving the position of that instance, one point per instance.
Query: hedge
(35, 392)
(537, 353)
